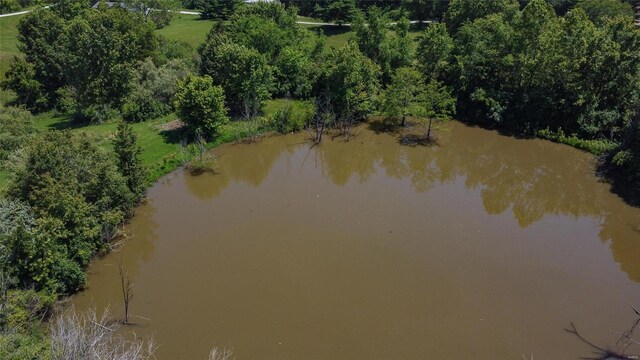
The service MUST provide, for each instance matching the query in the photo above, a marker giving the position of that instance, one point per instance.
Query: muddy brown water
(481, 247)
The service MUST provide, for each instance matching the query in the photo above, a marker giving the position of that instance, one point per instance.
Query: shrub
(141, 105)
(16, 126)
(200, 106)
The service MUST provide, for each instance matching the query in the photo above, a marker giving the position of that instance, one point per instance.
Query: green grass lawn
(8, 49)
(188, 28)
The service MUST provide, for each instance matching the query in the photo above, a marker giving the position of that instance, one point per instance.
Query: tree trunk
(403, 120)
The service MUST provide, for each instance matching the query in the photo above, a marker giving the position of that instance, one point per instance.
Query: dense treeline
(87, 61)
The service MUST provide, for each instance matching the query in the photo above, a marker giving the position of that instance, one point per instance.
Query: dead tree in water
(323, 118)
(605, 352)
(127, 291)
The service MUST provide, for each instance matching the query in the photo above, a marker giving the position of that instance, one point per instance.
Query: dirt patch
(171, 125)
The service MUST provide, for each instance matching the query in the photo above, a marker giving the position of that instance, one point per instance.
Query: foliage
(597, 147)
(461, 12)
(128, 159)
(16, 127)
(425, 9)
(153, 90)
(218, 9)
(350, 81)
(435, 50)
(372, 37)
(294, 73)
(599, 10)
(338, 11)
(141, 105)
(290, 116)
(245, 76)
(102, 49)
(405, 95)
(200, 106)
(90, 53)
(77, 196)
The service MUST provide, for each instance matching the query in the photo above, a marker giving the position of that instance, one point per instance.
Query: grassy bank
(187, 28)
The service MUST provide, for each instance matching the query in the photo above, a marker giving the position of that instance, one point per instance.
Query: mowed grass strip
(187, 28)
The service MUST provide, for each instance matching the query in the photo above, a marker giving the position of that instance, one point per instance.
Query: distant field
(188, 28)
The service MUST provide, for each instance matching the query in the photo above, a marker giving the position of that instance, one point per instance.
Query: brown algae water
(479, 247)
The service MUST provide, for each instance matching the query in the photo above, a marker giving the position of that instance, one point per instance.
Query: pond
(480, 246)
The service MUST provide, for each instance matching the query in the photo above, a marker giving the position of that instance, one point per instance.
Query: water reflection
(529, 178)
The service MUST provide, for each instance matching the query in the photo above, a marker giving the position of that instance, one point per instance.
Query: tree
(200, 105)
(599, 10)
(102, 49)
(37, 77)
(339, 11)
(16, 128)
(349, 84)
(372, 37)
(405, 95)
(435, 49)
(245, 76)
(438, 103)
(219, 9)
(78, 197)
(403, 48)
(128, 159)
(424, 9)
(464, 11)
(294, 73)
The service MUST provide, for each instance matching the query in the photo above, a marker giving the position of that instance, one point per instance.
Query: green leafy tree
(78, 197)
(600, 10)
(439, 104)
(219, 9)
(350, 82)
(464, 11)
(425, 9)
(103, 48)
(435, 51)
(68, 9)
(339, 11)
(37, 77)
(16, 128)
(403, 45)
(200, 105)
(245, 76)
(294, 73)
(128, 159)
(405, 95)
(372, 37)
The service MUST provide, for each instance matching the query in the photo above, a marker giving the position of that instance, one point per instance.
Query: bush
(597, 147)
(141, 105)
(97, 114)
(78, 197)
(200, 106)
(16, 126)
(7, 6)
(291, 116)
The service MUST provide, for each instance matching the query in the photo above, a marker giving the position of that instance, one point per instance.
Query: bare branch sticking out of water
(92, 337)
(621, 347)
(224, 354)
(127, 290)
